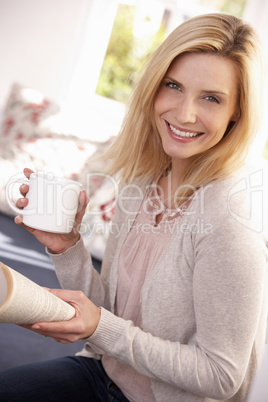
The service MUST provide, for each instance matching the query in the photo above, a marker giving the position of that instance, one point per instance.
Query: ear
(235, 117)
(230, 126)
(233, 120)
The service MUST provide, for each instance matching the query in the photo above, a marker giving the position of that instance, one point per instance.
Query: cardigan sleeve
(75, 271)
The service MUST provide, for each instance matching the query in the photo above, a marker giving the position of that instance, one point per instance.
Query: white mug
(52, 202)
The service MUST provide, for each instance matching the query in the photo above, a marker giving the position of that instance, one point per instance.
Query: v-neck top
(140, 253)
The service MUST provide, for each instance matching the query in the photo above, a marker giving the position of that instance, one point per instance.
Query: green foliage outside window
(125, 56)
(235, 7)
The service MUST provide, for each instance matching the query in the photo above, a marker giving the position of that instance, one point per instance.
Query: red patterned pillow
(24, 110)
(62, 155)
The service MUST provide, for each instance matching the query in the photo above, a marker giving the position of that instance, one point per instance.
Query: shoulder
(226, 218)
(234, 203)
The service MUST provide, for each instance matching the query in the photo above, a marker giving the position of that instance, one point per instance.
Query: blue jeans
(67, 379)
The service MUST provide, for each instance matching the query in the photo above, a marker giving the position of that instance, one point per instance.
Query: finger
(37, 331)
(22, 202)
(63, 330)
(27, 172)
(70, 296)
(19, 221)
(83, 201)
(67, 332)
(55, 336)
(61, 341)
(24, 188)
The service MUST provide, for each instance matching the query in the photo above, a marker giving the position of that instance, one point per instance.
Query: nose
(186, 110)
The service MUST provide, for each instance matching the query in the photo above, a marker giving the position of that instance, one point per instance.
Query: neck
(168, 188)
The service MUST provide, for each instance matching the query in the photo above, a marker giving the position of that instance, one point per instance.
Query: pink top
(140, 253)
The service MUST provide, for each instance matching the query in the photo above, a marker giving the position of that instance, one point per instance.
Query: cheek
(157, 116)
(160, 103)
(216, 123)
(157, 106)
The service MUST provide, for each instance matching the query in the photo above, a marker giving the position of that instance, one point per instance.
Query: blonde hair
(137, 150)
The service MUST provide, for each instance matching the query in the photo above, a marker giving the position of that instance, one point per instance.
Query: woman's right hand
(55, 242)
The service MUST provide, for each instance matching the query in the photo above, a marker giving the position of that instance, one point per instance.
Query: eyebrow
(208, 91)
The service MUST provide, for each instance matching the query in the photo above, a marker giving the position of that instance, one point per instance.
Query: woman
(179, 310)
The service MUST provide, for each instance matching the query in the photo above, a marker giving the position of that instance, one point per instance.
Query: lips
(183, 133)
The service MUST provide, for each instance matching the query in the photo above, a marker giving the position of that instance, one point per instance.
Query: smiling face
(196, 101)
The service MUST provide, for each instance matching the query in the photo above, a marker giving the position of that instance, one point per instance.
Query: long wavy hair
(137, 151)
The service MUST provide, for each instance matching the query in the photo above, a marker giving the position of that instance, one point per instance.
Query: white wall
(41, 43)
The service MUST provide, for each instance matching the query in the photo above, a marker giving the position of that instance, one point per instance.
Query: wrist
(66, 247)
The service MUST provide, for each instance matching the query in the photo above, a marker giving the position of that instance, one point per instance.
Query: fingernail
(35, 326)
(18, 219)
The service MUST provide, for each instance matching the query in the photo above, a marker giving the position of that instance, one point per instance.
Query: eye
(211, 98)
(173, 85)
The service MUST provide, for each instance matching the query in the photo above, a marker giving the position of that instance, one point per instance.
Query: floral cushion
(26, 142)
(24, 110)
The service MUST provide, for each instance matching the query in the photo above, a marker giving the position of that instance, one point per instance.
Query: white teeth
(186, 134)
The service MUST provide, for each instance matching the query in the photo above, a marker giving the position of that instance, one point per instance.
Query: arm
(75, 271)
(74, 267)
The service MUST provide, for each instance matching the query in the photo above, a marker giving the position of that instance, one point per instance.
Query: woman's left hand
(81, 326)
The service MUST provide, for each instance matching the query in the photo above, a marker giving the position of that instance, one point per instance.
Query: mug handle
(8, 199)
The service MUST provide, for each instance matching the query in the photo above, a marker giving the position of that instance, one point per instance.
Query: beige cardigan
(204, 305)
